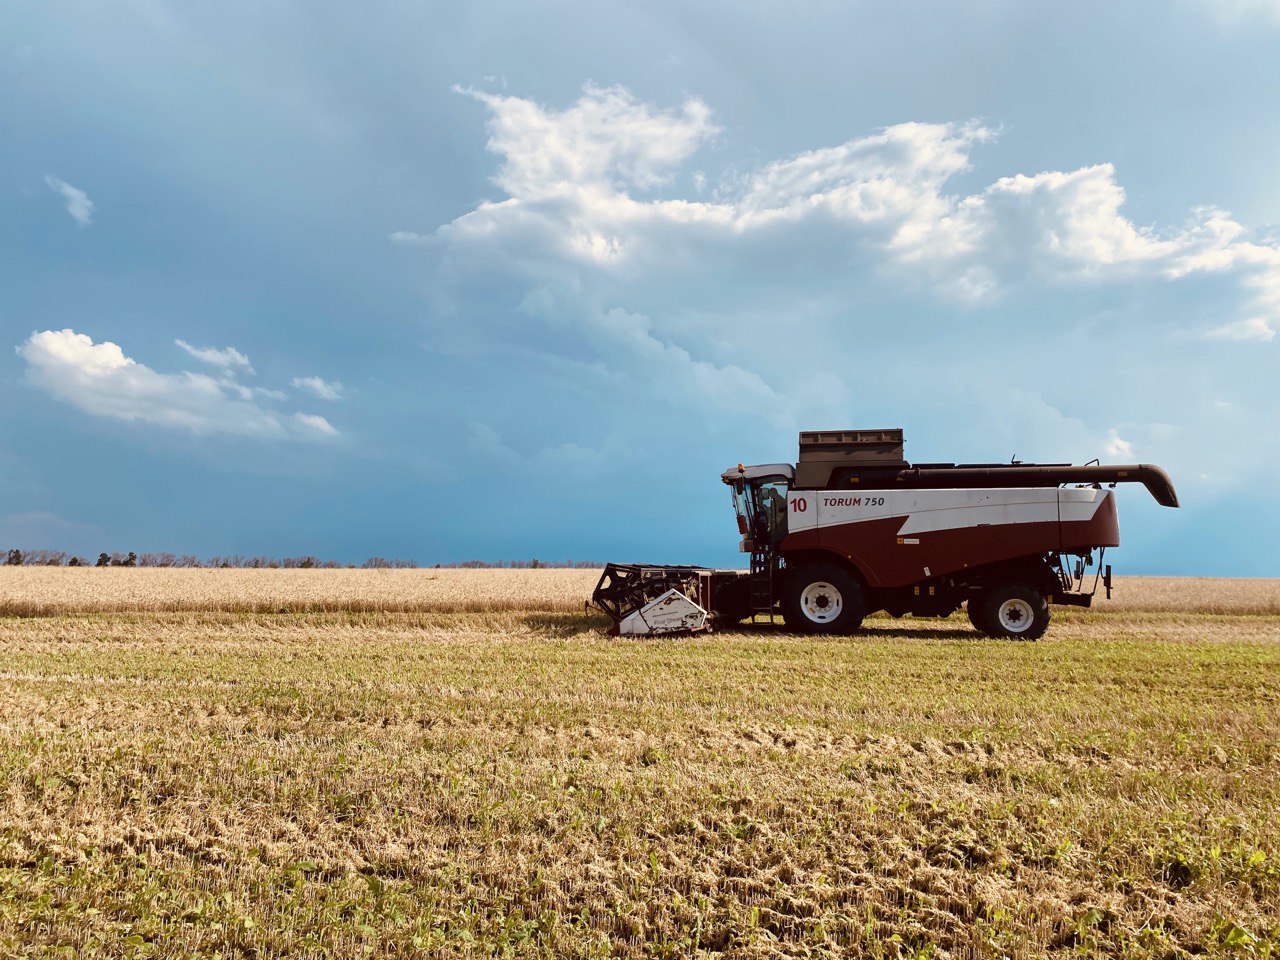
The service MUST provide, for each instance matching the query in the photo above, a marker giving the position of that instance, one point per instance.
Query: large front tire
(1014, 611)
(823, 598)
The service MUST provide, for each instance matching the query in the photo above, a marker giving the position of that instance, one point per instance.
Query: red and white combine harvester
(853, 528)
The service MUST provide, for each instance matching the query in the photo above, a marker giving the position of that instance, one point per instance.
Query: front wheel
(823, 598)
(1014, 611)
(976, 607)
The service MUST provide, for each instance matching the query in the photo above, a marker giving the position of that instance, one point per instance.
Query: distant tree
(15, 558)
(187, 560)
(103, 560)
(75, 562)
(376, 563)
(130, 561)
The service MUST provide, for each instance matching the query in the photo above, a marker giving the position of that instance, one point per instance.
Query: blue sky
(506, 280)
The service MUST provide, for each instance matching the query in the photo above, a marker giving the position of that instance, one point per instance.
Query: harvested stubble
(516, 783)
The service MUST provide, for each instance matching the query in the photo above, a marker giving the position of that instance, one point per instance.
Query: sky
(501, 280)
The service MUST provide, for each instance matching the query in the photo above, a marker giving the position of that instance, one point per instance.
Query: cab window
(771, 508)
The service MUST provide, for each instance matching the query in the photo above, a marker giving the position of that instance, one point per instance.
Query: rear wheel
(1014, 611)
(823, 598)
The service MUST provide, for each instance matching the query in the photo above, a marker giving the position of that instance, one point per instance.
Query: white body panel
(924, 511)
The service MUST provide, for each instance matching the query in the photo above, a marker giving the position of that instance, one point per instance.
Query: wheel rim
(821, 602)
(1015, 615)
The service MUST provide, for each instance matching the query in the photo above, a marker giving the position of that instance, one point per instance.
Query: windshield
(761, 507)
(771, 509)
(742, 507)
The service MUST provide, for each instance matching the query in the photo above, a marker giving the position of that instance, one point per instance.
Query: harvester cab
(853, 528)
(760, 502)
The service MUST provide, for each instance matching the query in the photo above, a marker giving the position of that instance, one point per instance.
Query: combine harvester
(853, 528)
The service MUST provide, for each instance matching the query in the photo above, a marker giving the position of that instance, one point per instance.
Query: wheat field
(461, 763)
(38, 591)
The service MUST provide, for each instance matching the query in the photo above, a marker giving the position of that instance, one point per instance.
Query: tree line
(61, 558)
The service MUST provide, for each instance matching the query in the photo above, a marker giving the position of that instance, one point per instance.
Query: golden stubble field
(458, 763)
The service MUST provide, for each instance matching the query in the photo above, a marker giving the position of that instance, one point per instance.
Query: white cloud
(1116, 447)
(228, 358)
(324, 389)
(743, 293)
(100, 380)
(882, 199)
(1254, 328)
(607, 139)
(409, 238)
(316, 424)
(228, 382)
(78, 203)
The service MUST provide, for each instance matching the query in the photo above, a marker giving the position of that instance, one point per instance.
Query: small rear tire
(823, 598)
(1013, 611)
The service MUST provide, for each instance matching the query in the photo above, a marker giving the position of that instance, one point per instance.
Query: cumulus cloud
(1117, 447)
(228, 358)
(750, 294)
(78, 203)
(575, 180)
(607, 139)
(324, 389)
(315, 424)
(1254, 328)
(98, 379)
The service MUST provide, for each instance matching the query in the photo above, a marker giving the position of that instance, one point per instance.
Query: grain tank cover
(824, 451)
